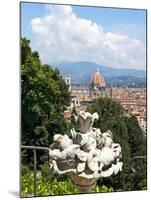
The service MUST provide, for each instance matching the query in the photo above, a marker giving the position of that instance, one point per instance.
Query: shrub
(53, 186)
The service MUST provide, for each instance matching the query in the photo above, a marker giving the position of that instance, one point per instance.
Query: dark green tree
(128, 134)
(137, 138)
(44, 96)
(108, 111)
(138, 146)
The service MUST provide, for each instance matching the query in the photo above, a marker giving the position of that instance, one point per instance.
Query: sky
(107, 36)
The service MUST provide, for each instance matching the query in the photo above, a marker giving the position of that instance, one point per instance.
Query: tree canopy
(44, 95)
(127, 132)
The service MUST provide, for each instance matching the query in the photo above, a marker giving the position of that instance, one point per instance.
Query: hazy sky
(106, 36)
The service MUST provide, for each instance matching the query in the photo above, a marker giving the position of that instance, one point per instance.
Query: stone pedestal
(84, 185)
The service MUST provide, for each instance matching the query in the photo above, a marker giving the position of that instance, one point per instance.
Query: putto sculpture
(86, 155)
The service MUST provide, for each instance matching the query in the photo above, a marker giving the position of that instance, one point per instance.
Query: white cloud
(62, 36)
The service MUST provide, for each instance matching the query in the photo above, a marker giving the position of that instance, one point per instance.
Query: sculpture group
(86, 154)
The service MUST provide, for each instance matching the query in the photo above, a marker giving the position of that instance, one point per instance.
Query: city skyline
(133, 100)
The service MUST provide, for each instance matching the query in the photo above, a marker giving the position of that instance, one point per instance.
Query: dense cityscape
(133, 100)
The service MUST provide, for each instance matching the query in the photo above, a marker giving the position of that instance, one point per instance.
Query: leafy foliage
(54, 186)
(43, 100)
(127, 132)
(44, 188)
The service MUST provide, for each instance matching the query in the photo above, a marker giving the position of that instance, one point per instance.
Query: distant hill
(81, 72)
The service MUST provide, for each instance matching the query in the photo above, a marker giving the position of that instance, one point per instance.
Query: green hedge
(52, 187)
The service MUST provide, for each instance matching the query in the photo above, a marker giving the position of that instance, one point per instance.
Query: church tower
(111, 90)
(68, 81)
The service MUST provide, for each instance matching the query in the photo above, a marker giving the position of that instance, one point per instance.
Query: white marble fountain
(86, 155)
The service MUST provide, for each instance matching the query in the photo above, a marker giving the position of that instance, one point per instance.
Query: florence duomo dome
(97, 84)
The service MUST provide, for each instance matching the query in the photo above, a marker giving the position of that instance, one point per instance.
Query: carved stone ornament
(86, 155)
